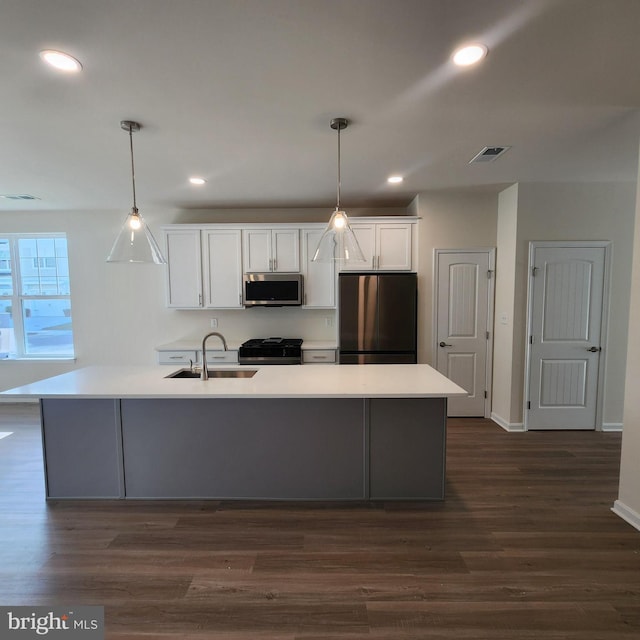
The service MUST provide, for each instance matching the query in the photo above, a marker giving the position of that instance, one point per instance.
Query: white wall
(118, 310)
(503, 332)
(628, 503)
(448, 220)
(575, 211)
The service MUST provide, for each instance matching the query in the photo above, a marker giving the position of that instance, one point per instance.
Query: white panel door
(462, 339)
(565, 333)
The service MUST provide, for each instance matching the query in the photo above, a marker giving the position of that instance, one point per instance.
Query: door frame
(491, 253)
(604, 324)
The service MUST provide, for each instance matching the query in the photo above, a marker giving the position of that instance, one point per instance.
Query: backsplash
(240, 325)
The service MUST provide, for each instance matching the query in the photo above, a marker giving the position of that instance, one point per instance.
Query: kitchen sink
(214, 373)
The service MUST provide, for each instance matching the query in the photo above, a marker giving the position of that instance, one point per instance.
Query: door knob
(444, 344)
(594, 349)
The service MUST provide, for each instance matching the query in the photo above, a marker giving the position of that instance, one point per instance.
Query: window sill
(39, 360)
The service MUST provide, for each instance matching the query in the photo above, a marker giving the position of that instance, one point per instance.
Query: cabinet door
(285, 244)
(366, 237)
(393, 246)
(319, 277)
(184, 268)
(223, 268)
(256, 250)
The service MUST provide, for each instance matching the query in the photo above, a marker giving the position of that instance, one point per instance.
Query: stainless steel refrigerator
(378, 318)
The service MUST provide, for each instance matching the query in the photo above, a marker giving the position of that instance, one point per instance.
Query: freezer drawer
(378, 358)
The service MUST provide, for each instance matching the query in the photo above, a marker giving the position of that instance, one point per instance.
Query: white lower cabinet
(319, 277)
(177, 357)
(319, 356)
(221, 357)
(188, 357)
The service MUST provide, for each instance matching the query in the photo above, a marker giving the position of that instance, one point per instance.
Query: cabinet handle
(200, 299)
(176, 357)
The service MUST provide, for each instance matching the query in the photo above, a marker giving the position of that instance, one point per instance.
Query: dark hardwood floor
(524, 547)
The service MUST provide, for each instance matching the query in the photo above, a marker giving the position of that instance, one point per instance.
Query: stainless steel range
(271, 351)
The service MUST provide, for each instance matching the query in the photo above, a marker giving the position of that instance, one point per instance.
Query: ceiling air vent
(18, 196)
(488, 154)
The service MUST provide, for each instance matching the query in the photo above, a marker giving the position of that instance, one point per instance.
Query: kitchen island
(310, 432)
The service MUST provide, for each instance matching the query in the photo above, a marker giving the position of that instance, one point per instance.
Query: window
(35, 297)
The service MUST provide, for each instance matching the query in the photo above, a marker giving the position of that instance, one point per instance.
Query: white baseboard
(626, 513)
(611, 426)
(512, 427)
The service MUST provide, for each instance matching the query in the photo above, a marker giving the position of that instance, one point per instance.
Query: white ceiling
(241, 92)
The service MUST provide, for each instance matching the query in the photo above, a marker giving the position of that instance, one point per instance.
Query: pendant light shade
(135, 242)
(338, 242)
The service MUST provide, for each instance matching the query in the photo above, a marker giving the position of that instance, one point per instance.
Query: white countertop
(275, 381)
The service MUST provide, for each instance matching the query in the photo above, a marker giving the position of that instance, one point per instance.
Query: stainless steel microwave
(272, 289)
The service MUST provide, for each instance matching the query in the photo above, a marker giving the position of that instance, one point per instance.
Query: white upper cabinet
(206, 262)
(393, 246)
(319, 277)
(222, 264)
(267, 250)
(387, 246)
(184, 268)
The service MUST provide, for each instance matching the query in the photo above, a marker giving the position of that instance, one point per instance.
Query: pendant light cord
(338, 203)
(133, 173)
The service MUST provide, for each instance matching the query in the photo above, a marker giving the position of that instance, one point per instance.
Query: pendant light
(135, 242)
(338, 242)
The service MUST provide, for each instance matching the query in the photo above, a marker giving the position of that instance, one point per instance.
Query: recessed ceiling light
(60, 60)
(197, 180)
(395, 179)
(469, 54)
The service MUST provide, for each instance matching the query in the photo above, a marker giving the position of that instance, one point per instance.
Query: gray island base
(245, 448)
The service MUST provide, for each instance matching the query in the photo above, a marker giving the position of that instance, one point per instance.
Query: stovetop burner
(267, 342)
(271, 351)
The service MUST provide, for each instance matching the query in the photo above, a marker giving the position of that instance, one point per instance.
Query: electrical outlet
(214, 323)
(328, 321)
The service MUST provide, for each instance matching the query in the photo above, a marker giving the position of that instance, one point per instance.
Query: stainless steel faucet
(205, 373)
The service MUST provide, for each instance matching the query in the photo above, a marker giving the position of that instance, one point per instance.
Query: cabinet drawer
(177, 357)
(222, 356)
(319, 355)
